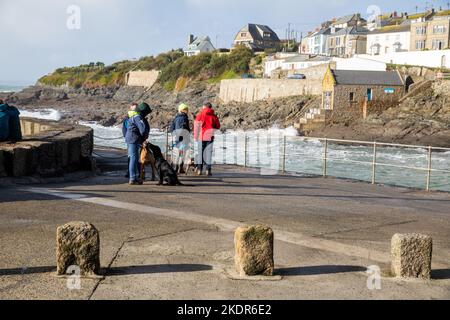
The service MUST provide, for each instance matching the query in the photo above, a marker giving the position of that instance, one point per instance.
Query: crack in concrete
(325, 234)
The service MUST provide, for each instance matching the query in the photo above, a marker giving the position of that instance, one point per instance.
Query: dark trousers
(204, 156)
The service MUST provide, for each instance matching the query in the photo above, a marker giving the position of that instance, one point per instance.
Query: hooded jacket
(205, 124)
(180, 126)
(137, 130)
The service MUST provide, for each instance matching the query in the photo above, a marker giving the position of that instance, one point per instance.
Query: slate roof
(384, 78)
(198, 44)
(255, 29)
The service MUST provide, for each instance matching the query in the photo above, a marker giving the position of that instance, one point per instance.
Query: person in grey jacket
(137, 132)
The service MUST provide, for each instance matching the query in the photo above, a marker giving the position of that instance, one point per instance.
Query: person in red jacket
(205, 125)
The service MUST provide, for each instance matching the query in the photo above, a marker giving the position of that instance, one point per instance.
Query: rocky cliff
(109, 105)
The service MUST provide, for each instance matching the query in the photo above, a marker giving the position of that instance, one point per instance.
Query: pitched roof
(351, 30)
(257, 31)
(199, 43)
(392, 29)
(350, 77)
(345, 19)
(306, 58)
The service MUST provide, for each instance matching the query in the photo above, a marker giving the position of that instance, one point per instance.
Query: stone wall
(345, 110)
(142, 78)
(48, 149)
(250, 90)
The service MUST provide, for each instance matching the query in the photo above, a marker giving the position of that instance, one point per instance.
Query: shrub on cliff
(207, 66)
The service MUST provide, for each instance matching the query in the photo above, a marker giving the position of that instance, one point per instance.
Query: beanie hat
(144, 109)
(183, 107)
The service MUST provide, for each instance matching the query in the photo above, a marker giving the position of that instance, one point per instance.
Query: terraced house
(430, 30)
(389, 39)
(347, 42)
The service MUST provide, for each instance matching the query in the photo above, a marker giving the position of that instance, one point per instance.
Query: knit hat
(144, 109)
(183, 107)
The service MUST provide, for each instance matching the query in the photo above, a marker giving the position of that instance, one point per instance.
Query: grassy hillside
(205, 67)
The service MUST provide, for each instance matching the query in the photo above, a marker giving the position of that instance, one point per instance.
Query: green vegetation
(98, 75)
(211, 67)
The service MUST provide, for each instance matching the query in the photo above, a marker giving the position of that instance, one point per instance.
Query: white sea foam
(46, 114)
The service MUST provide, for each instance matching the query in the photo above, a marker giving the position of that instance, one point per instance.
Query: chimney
(191, 38)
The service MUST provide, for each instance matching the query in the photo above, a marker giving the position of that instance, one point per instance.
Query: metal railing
(326, 158)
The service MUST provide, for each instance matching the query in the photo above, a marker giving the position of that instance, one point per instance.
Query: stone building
(347, 91)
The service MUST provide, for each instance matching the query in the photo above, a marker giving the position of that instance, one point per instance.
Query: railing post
(245, 150)
(325, 158)
(430, 155)
(167, 143)
(374, 163)
(284, 155)
(224, 148)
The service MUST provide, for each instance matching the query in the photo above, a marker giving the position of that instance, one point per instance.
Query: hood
(208, 112)
(3, 107)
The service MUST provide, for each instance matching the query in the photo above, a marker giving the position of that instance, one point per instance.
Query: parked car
(297, 76)
(248, 76)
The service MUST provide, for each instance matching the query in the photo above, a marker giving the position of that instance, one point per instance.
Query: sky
(38, 36)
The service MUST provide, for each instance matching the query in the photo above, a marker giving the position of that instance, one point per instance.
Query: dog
(147, 158)
(165, 170)
(190, 166)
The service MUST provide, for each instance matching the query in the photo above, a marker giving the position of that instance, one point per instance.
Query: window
(439, 29)
(421, 30)
(420, 45)
(338, 41)
(352, 96)
(266, 35)
(243, 34)
(438, 44)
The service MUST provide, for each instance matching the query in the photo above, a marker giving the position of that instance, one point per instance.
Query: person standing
(205, 125)
(131, 113)
(181, 130)
(137, 132)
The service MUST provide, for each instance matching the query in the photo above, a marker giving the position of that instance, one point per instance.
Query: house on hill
(197, 45)
(257, 37)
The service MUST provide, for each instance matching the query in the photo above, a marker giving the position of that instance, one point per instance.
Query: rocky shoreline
(423, 119)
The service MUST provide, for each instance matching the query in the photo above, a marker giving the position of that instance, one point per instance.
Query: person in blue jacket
(10, 129)
(131, 113)
(137, 132)
(181, 130)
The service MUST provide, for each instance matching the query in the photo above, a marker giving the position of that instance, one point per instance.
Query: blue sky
(35, 39)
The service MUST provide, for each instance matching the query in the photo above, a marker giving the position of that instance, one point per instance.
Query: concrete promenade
(160, 242)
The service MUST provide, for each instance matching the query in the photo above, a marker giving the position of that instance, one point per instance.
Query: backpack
(4, 122)
(15, 130)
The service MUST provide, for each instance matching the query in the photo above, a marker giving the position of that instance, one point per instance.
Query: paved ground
(177, 242)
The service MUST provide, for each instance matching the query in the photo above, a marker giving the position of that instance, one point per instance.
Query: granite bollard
(411, 255)
(254, 251)
(78, 244)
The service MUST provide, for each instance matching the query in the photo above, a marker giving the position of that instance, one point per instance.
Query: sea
(11, 88)
(275, 149)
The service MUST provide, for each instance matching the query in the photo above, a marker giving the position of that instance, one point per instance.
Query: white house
(275, 62)
(389, 39)
(304, 61)
(198, 45)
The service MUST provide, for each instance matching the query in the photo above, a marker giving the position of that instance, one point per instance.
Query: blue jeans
(134, 152)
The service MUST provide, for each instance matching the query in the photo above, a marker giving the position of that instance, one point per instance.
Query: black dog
(165, 170)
